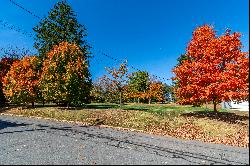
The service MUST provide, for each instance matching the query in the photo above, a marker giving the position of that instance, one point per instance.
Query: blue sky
(150, 34)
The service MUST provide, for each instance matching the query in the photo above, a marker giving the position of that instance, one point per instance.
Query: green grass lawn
(164, 119)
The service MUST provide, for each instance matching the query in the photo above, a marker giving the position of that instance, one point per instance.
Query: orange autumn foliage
(21, 82)
(5, 64)
(155, 90)
(215, 70)
(65, 76)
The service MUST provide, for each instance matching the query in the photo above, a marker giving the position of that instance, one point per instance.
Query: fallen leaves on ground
(193, 132)
(132, 120)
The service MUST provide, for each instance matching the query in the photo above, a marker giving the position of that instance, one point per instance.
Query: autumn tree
(155, 91)
(143, 86)
(118, 77)
(215, 69)
(60, 25)
(65, 77)
(20, 85)
(103, 89)
(9, 55)
(138, 83)
(5, 64)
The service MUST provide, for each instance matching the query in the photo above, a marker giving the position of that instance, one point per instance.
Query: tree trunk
(43, 103)
(149, 101)
(215, 109)
(33, 105)
(68, 104)
(120, 99)
(138, 100)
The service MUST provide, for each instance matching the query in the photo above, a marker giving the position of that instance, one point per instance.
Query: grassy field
(186, 122)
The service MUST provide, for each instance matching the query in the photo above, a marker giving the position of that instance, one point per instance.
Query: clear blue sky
(150, 34)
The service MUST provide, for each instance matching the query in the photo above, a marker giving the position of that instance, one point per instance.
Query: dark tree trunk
(215, 109)
(33, 104)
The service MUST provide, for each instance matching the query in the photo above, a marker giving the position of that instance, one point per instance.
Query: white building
(242, 106)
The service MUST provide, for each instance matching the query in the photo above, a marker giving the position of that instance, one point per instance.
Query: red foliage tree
(215, 69)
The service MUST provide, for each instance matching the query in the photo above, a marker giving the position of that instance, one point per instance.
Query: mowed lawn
(186, 122)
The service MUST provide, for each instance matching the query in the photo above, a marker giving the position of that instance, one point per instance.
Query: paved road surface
(33, 141)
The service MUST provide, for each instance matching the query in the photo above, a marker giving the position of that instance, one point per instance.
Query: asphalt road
(36, 141)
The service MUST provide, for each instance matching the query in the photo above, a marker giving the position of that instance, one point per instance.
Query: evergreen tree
(60, 26)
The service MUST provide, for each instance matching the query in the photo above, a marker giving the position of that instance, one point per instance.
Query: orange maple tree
(20, 85)
(155, 90)
(65, 77)
(215, 70)
(5, 64)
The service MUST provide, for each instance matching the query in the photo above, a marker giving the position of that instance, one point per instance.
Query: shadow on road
(119, 142)
(5, 124)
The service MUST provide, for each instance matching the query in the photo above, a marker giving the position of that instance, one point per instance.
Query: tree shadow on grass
(137, 109)
(41, 106)
(101, 106)
(227, 117)
(6, 107)
(94, 107)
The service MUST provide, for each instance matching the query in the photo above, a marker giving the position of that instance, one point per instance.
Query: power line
(119, 61)
(17, 52)
(101, 51)
(160, 78)
(16, 28)
(25, 9)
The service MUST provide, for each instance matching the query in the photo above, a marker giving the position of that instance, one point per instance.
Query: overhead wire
(25, 9)
(115, 59)
(16, 28)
